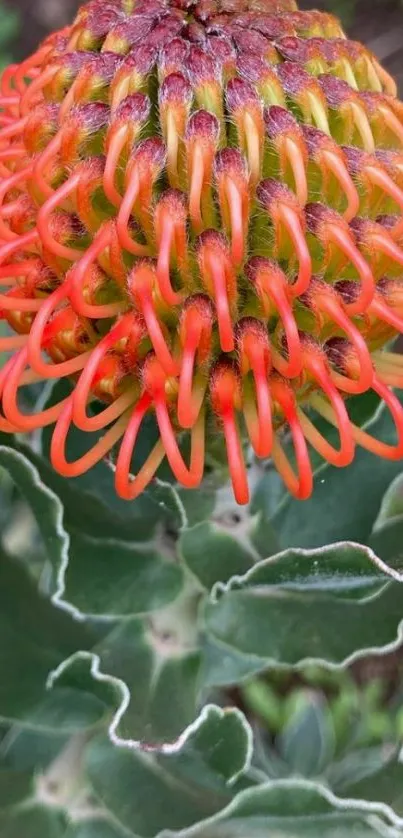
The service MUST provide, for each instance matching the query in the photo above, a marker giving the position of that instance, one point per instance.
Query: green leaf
(153, 680)
(113, 578)
(15, 786)
(45, 506)
(35, 821)
(329, 605)
(392, 503)
(147, 792)
(385, 785)
(344, 503)
(293, 809)
(387, 542)
(103, 577)
(35, 638)
(94, 508)
(96, 828)
(358, 766)
(213, 555)
(306, 743)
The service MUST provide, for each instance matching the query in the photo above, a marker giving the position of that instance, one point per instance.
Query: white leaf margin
(317, 552)
(378, 815)
(60, 558)
(168, 748)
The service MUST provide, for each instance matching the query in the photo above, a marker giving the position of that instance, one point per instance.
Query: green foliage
(181, 667)
(10, 24)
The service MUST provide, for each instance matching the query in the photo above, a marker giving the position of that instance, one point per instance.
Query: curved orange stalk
(93, 456)
(127, 488)
(300, 484)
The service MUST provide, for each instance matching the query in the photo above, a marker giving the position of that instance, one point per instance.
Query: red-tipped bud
(259, 73)
(233, 191)
(289, 226)
(132, 75)
(306, 92)
(173, 57)
(158, 240)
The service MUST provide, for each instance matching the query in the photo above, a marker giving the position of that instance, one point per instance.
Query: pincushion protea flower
(201, 217)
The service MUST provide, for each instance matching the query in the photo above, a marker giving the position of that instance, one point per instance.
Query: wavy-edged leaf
(154, 681)
(328, 605)
(385, 785)
(359, 766)
(392, 503)
(45, 505)
(35, 637)
(294, 809)
(93, 507)
(145, 793)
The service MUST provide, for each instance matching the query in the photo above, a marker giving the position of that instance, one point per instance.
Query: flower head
(201, 217)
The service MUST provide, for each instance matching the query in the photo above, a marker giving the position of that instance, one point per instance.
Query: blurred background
(378, 23)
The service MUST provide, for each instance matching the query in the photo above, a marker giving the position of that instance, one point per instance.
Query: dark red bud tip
(339, 353)
(90, 118)
(134, 108)
(174, 203)
(128, 33)
(65, 227)
(348, 290)
(294, 78)
(279, 121)
(251, 328)
(140, 60)
(201, 67)
(388, 158)
(222, 51)
(213, 239)
(336, 91)
(204, 125)
(356, 159)
(150, 155)
(201, 304)
(258, 264)
(317, 215)
(196, 34)
(271, 192)
(173, 56)
(72, 62)
(253, 68)
(240, 94)
(101, 20)
(364, 229)
(230, 161)
(249, 42)
(388, 222)
(225, 386)
(273, 26)
(175, 89)
(316, 140)
(104, 65)
(294, 49)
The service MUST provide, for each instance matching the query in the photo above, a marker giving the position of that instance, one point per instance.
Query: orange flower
(201, 217)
